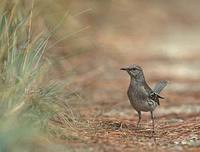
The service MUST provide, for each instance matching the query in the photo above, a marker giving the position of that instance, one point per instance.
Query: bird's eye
(133, 69)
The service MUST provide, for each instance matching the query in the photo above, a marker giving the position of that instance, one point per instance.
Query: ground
(160, 37)
(111, 121)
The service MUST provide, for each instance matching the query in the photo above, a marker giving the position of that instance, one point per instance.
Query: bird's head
(134, 71)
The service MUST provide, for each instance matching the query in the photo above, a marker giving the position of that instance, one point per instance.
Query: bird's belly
(143, 105)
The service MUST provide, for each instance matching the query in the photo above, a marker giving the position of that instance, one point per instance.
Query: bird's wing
(155, 97)
(151, 94)
(157, 89)
(160, 86)
(148, 89)
(154, 94)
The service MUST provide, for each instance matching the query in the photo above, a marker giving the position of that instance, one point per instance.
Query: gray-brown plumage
(141, 96)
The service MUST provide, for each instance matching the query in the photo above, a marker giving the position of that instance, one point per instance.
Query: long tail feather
(160, 86)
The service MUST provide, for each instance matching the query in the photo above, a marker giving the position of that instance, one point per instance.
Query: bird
(141, 96)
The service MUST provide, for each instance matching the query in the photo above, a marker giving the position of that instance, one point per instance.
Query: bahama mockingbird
(141, 96)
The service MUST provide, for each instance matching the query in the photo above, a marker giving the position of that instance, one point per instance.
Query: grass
(34, 106)
(28, 99)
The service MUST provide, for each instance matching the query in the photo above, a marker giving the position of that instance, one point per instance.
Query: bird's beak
(125, 69)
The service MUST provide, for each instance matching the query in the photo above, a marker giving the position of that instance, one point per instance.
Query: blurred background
(92, 39)
(160, 36)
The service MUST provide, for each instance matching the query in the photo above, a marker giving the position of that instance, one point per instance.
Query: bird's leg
(139, 118)
(152, 118)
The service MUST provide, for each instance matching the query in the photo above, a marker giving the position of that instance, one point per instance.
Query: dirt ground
(112, 120)
(164, 42)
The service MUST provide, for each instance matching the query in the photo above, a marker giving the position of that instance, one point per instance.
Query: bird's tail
(160, 86)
